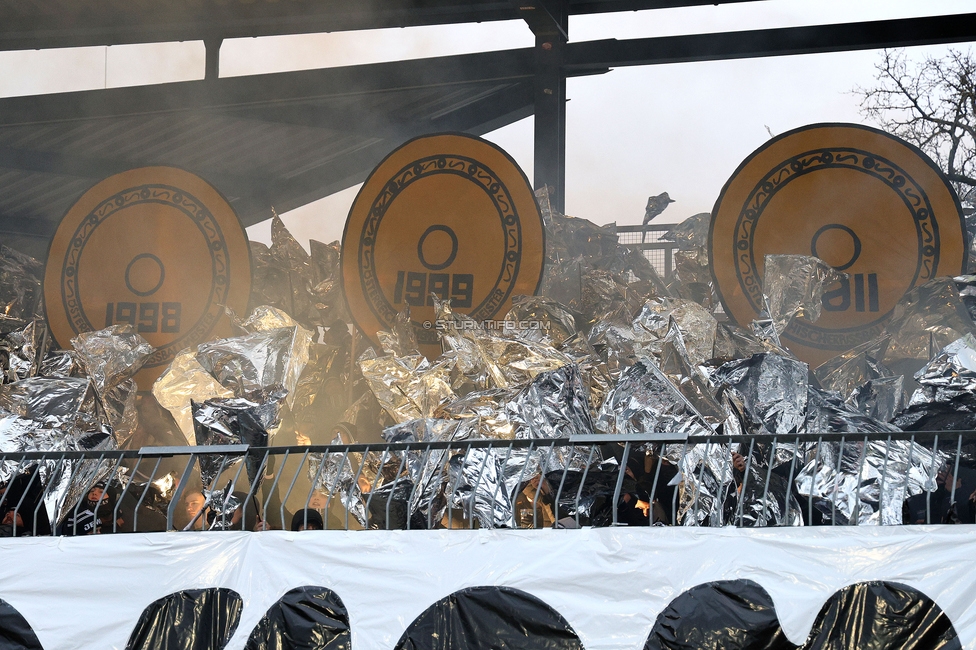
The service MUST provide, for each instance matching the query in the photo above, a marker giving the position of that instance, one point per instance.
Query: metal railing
(653, 479)
(647, 239)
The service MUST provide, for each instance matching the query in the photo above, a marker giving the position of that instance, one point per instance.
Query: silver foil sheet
(539, 319)
(696, 324)
(257, 361)
(645, 401)
(866, 484)
(20, 289)
(771, 388)
(233, 421)
(184, 381)
(925, 320)
(794, 285)
(951, 373)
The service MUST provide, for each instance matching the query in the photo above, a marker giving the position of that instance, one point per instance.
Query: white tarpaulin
(609, 584)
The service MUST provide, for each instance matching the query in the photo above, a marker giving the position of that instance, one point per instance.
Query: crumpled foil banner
(428, 469)
(233, 421)
(644, 401)
(925, 320)
(966, 286)
(307, 286)
(696, 324)
(183, 382)
(793, 287)
(951, 373)
(20, 289)
(487, 411)
(53, 411)
(478, 488)
(554, 405)
(48, 414)
(716, 493)
(850, 370)
(409, 387)
(23, 351)
(540, 319)
(866, 484)
(677, 366)
(271, 354)
(771, 388)
(692, 233)
(864, 382)
(258, 360)
(111, 357)
(692, 273)
(489, 360)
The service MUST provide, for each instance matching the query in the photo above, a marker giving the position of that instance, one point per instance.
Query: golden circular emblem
(447, 215)
(863, 201)
(158, 248)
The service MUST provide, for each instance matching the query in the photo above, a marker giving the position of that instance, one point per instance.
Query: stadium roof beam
(78, 23)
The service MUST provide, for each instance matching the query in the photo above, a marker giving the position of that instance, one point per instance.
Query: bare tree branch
(932, 104)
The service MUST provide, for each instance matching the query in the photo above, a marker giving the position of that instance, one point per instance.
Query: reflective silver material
(21, 348)
(696, 324)
(593, 370)
(410, 387)
(184, 381)
(488, 411)
(402, 340)
(851, 496)
(864, 382)
(539, 319)
(44, 414)
(733, 489)
(61, 363)
(850, 370)
(882, 398)
(257, 361)
(692, 233)
(334, 475)
(771, 388)
(644, 401)
(478, 487)
(847, 484)
(428, 469)
(925, 320)
(111, 357)
(20, 289)
(951, 373)
(734, 342)
(794, 285)
(234, 421)
(676, 364)
(554, 405)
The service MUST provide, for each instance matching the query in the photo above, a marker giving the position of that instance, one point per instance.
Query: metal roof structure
(74, 23)
(280, 140)
(287, 139)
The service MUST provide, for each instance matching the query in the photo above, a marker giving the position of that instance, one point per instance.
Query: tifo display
(461, 307)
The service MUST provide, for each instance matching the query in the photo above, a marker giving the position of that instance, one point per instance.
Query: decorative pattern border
(484, 178)
(911, 193)
(192, 207)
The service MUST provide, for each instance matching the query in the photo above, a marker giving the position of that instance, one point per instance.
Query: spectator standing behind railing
(82, 520)
(306, 520)
(193, 503)
(12, 524)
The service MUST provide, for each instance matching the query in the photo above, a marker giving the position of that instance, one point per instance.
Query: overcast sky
(633, 132)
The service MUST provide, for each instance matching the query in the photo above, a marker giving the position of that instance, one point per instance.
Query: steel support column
(550, 118)
(549, 21)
